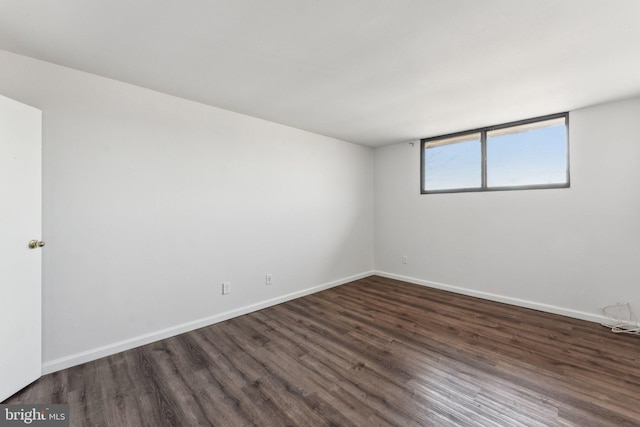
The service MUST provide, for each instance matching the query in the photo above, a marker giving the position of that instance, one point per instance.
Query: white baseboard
(499, 298)
(109, 349)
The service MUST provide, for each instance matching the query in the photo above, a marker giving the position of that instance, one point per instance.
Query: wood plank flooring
(374, 352)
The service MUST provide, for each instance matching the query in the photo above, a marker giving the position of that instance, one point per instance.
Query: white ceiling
(373, 72)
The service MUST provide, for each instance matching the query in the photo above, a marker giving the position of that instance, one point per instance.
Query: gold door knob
(36, 244)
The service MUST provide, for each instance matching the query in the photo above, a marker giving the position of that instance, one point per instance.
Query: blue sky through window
(534, 157)
(454, 166)
(529, 153)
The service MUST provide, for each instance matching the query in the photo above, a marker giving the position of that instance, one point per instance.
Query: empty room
(308, 213)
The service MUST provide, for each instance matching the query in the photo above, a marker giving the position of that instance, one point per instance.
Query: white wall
(151, 202)
(570, 251)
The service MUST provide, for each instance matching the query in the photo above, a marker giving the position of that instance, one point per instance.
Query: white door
(20, 266)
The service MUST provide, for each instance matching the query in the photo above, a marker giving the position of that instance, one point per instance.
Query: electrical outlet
(268, 279)
(226, 288)
(405, 260)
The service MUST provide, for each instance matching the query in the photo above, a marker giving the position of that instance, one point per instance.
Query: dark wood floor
(373, 352)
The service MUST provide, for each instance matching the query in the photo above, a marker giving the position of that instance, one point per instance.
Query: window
(528, 154)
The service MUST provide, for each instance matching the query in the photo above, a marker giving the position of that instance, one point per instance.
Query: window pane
(453, 163)
(534, 154)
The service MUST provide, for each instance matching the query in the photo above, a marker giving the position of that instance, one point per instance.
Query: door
(20, 265)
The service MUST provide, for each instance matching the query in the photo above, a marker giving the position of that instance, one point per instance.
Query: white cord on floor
(623, 320)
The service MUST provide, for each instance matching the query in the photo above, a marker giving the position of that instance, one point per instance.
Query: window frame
(483, 157)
